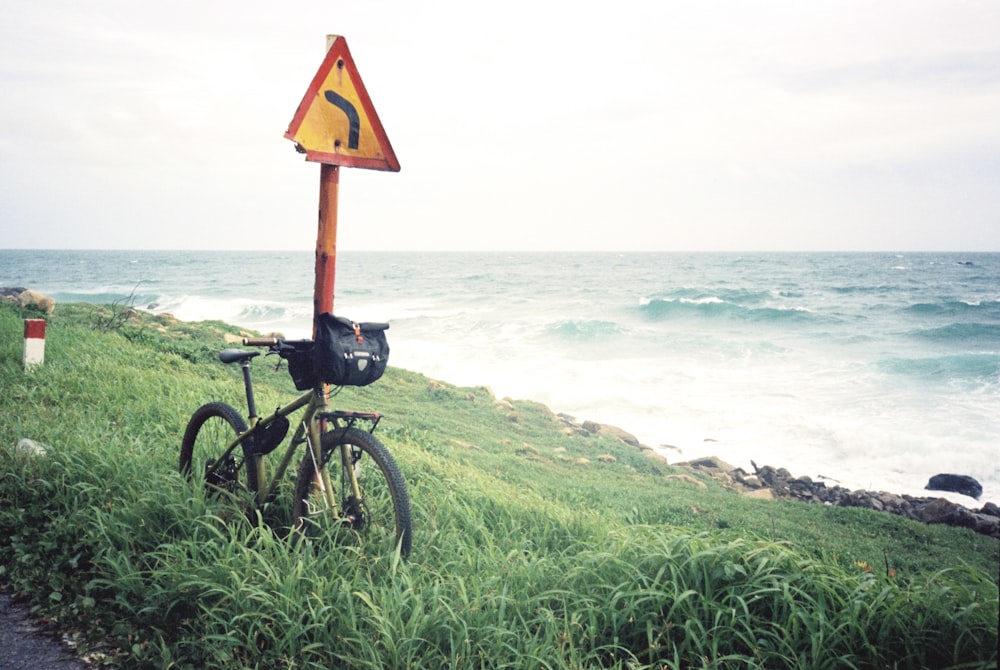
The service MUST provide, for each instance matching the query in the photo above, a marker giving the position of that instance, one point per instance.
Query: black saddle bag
(347, 353)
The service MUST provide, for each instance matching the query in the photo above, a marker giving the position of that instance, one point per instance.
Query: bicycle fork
(317, 427)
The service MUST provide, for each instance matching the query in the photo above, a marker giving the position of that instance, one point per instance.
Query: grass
(532, 548)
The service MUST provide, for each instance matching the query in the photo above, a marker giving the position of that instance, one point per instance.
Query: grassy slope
(529, 549)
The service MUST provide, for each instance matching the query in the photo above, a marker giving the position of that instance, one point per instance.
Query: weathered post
(326, 240)
(336, 125)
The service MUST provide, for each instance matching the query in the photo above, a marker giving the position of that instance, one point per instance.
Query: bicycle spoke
(379, 519)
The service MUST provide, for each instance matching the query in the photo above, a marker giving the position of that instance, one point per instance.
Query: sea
(867, 370)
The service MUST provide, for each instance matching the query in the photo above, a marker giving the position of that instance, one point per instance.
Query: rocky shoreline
(778, 483)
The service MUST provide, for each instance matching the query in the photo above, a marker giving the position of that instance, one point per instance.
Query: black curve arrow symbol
(353, 120)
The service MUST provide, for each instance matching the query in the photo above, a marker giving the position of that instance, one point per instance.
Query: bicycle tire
(210, 430)
(381, 520)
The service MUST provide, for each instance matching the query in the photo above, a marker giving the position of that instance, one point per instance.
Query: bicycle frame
(309, 430)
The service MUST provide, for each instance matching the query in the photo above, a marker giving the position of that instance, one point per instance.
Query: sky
(524, 125)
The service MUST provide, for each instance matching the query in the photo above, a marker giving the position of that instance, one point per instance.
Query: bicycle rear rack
(350, 418)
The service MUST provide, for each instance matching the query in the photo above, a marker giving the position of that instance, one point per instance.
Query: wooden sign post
(326, 240)
(336, 125)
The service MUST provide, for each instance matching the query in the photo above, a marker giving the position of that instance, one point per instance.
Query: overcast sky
(521, 125)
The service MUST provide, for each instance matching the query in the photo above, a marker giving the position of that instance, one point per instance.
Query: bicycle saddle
(236, 355)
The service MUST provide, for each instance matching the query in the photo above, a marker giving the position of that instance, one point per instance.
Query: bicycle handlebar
(260, 341)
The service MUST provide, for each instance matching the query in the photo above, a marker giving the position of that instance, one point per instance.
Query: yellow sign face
(336, 123)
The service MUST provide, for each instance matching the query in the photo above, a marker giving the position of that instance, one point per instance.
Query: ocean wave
(257, 312)
(868, 288)
(978, 308)
(968, 334)
(584, 330)
(665, 309)
(737, 296)
(984, 366)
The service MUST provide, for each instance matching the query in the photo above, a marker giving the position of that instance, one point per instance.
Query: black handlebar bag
(299, 354)
(347, 353)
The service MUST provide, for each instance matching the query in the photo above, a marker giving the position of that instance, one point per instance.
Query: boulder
(28, 298)
(713, 464)
(775, 478)
(987, 525)
(990, 509)
(11, 292)
(611, 431)
(35, 299)
(963, 484)
(944, 511)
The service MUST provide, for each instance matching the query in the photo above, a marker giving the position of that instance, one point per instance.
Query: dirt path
(26, 644)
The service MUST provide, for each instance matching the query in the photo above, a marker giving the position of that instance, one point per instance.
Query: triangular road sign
(336, 123)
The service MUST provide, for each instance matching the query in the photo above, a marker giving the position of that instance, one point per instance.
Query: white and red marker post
(34, 342)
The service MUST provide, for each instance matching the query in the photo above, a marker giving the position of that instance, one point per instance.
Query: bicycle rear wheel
(210, 430)
(380, 519)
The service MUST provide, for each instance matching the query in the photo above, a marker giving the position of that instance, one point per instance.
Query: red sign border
(338, 50)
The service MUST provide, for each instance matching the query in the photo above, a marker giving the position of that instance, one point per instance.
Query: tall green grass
(529, 550)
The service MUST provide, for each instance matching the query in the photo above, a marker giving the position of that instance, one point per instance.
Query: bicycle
(368, 502)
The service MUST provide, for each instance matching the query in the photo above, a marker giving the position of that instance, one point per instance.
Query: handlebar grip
(259, 341)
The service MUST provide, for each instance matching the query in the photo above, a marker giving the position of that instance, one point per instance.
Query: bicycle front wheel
(210, 431)
(380, 518)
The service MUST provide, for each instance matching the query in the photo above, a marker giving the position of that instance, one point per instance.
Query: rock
(859, 498)
(654, 455)
(11, 293)
(987, 525)
(940, 510)
(963, 484)
(895, 504)
(527, 451)
(569, 428)
(804, 488)
(769, 482)
(35, 299)
(776, 479)
(713, 463)
(29, 446)
(611, 431)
